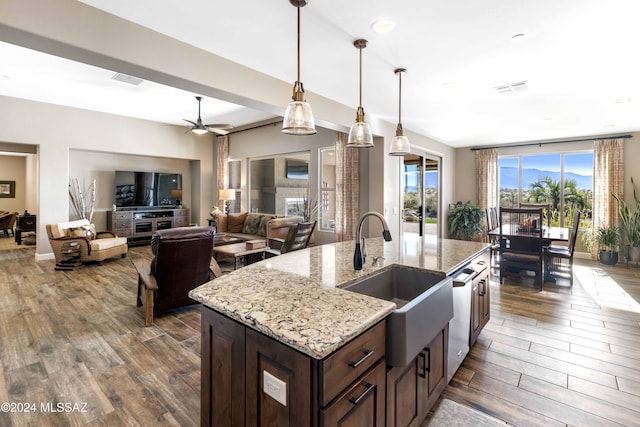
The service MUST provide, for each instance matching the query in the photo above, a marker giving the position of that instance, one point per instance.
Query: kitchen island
(275, 332)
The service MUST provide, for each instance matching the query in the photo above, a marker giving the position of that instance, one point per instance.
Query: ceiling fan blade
(218, 131)
(193, 123)
(220, 125)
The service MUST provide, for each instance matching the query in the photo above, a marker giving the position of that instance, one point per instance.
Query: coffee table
(226, 240)
(237, 251)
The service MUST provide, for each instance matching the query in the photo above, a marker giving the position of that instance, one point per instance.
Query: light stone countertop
(296, 298)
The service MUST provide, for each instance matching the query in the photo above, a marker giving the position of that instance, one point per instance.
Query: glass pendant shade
(360, 135)
(400, 144)
(298, 117)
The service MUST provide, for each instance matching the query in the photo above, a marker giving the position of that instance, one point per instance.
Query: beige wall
(66, 138)
(13, 168)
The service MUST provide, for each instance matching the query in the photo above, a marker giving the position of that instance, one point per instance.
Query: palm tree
(545, 190)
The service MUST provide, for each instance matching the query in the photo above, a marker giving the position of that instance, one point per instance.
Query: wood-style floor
(563, 356)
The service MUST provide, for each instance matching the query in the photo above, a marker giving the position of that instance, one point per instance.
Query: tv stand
(139, 224)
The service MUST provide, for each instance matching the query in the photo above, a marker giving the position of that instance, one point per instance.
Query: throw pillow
(235, 222)
(251, 224)
(88, 231)
(262, 228)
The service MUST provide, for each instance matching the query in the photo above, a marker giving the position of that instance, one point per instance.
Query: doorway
(420, 195)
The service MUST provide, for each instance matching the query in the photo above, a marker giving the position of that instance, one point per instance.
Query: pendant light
(400, 144)
(360, 135)
(298, 118)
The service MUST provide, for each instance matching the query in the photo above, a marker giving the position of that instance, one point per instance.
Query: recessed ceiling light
(609, 125)
(383, 25)
(623, 100)
(517, 37)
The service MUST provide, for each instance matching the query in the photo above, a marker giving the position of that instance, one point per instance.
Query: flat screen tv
(143, 189)
(297, 169)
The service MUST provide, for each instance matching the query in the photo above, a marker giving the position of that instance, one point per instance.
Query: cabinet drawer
(122, 215)
(179, 213)
(180, 222)
(345, 365)
(362, 404)
(120, 224)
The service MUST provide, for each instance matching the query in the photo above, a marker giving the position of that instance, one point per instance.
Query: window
(234, 183)
(562, 180)
(327, 202)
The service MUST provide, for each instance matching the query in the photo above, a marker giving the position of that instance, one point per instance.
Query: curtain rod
(551, 142)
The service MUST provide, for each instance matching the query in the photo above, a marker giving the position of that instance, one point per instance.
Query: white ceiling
(577, 57)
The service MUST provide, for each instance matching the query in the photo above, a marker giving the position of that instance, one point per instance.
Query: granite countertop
(296, 298)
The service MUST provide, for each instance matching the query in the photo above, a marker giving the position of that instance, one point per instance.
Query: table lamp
(227, 195)
(176, 193)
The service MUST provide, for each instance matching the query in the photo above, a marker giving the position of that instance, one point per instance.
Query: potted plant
(607, 238)
(630, 224)
(465, 222)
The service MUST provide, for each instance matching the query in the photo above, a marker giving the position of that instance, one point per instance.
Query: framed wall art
(7, 189)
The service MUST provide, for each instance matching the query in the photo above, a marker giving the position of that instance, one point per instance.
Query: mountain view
(509, 177)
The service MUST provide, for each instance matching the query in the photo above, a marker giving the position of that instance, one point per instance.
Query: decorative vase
(608, 257)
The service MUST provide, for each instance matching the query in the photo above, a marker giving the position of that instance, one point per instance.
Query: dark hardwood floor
(561, 356)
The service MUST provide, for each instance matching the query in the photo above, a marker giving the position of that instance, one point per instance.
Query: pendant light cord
(400, 99)
(298, 42)
(360, 104)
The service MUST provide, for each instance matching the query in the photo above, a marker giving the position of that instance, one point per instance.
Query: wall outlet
(275, 387)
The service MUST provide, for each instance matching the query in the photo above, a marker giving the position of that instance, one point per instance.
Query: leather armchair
(182, 261)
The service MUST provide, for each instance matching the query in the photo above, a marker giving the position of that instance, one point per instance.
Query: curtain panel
(347, 189)
(608, 178)
(222, 165)
(487, 176)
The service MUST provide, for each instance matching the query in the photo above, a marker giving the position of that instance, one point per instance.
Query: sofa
(255, 226)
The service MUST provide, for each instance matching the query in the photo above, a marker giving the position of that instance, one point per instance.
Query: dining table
(521, 238)
(549, 234)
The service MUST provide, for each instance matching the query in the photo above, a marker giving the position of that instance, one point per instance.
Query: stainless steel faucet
(359, 255)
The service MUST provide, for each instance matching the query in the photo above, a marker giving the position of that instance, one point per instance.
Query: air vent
(125, 78)
(512, 87)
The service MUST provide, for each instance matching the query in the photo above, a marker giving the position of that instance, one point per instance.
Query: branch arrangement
(82, 198)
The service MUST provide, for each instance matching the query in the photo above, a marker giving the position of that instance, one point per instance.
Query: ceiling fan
(199, 128)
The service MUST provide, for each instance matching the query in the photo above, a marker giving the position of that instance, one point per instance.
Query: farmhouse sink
(424, 306)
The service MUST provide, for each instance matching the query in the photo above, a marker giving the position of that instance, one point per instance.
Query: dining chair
(521, 243)
(494, 248)
(555, 254)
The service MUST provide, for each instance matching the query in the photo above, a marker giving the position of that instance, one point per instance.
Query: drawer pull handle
(356, 400)
(423, 368)
(367, 354)
(484, 288)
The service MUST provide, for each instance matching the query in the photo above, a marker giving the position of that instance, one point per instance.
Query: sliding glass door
(420, 195)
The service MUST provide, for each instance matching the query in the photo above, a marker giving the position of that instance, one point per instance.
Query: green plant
(465, 221)
(607, 238)
(630, 218)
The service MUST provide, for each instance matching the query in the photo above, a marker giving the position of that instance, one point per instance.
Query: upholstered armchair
(182, 261)
(93, 246)
(7, 221)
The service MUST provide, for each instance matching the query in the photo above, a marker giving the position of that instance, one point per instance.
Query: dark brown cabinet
(414, 389)
(223, 371)
(251, 379)
(480, 301)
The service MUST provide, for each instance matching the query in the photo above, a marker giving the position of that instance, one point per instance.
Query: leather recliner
(182, 261)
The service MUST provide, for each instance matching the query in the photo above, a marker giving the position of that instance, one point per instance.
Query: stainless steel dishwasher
(460, 325)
